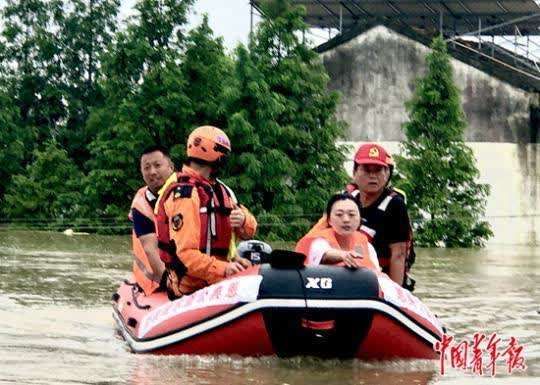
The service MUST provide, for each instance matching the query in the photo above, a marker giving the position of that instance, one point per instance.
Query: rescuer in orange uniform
(197, 215)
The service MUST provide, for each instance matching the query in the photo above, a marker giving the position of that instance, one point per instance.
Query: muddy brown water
(56, 325)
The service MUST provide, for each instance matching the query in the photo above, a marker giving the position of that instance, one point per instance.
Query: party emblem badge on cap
(373, 152)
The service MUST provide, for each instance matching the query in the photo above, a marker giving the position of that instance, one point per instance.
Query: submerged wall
(376, 73)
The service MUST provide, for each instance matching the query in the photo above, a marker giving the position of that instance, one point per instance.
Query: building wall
(376, 74)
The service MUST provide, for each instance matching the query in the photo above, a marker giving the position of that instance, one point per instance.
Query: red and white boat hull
(323, 311)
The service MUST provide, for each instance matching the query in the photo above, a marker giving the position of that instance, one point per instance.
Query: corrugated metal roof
(459, 16)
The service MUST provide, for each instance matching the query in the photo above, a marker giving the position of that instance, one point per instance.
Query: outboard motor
(255, 251)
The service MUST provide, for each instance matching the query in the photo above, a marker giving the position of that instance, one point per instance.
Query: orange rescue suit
(357, 241)
(145, 277)
(194, 231)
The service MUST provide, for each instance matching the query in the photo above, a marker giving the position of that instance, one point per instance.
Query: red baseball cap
(372, 153)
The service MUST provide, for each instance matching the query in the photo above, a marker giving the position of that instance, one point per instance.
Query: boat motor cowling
(257, 252)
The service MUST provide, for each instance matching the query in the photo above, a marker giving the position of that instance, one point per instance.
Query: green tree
(30, 104)
(208, 74)
(12, 140)
(49, 67)
(285, 160)
(438, 170)
(85, 29)
(48, 192)
(31, 66)
(145, 103)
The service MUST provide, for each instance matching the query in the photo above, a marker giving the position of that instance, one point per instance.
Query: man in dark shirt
(384, 214)
(156, 167)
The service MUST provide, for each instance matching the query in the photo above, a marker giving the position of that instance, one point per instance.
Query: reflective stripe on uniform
(230, 191)
(368, 230)
(150, 195)
(384, 204)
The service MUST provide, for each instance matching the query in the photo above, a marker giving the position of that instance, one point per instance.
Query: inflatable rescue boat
(284, 310)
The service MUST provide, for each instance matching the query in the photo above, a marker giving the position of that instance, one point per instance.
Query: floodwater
(56, 325)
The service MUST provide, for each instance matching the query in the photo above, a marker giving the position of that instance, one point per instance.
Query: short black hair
(339, 197)
(154, 148)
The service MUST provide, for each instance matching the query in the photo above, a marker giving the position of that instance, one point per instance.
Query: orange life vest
(215, 208)
(145, 277)
(357, 240)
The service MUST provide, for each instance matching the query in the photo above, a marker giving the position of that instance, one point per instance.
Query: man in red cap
(385, 219)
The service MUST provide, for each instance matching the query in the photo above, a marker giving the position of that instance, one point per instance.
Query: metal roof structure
(505, 32)
(458, 16)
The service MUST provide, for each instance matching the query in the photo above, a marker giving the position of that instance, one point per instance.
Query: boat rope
(135, 291)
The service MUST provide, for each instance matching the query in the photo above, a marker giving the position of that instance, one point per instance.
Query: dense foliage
(283, 126)
(81, 97)
(438, 170)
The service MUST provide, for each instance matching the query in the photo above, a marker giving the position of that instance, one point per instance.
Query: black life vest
(376, 218)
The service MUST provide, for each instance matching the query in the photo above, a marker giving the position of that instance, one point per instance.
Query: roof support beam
(464, 7)
(453, 15)
(497, 26)
(425, 4)
(357, 6)
(330, 12)
(501, 6)
(348, 9)
(394, 8)
(459, 16)
(409, 2)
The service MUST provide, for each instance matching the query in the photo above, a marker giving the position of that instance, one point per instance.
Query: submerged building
(379, 53)
(375, 70)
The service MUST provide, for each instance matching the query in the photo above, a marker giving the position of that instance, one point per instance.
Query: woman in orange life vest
(156, 166)
(340, 243)
(197, 215)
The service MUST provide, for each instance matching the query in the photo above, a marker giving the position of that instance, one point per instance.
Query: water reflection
(212, 370)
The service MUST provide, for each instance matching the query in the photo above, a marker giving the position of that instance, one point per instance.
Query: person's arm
(317, 249)
(347, 258)
(321, 249)
(373, 256)
(243, 222)
(332, 256)
(399, 236)
(398, 255)
(150, 245)
(184, 228)
(145, 231)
